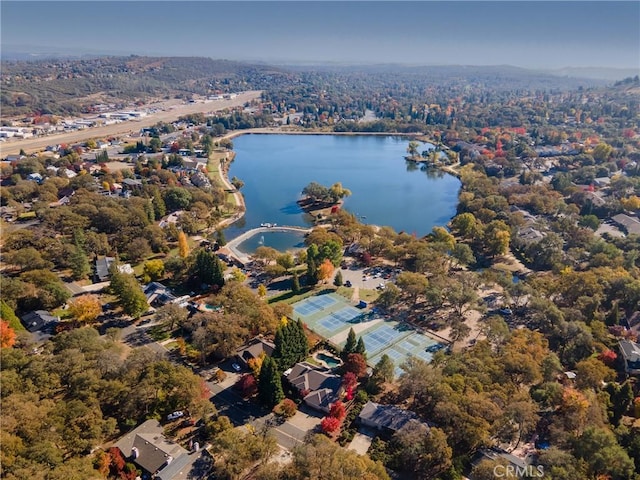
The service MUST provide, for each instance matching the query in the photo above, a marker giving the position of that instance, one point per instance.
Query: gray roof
(319, 386)
(254, 348)
(305, 376)
(630, 224)
(631, 353)
(153, 448)
(385, 416)
(102, 267)
(38, 320)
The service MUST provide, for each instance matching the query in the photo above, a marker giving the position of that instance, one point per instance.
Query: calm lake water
(386, 189)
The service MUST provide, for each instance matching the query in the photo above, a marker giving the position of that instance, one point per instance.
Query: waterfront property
(386, 190)
(331, 316)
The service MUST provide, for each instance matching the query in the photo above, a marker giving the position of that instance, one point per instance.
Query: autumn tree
(7, 335)
(183, 245)
(356, 364)
(86, 308)
(153, 270)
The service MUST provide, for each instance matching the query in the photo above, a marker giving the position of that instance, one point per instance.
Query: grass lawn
(368, 295)
(290, 297)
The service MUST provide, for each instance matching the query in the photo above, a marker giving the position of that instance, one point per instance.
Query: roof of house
(150, 448)
(157, 292)
(102, 267)
(321, 399)
(254, 348)
(38, 319)
(632, 225)
(492, 454)
(386, 416)
(132, 182)
(630, 350)
(305, 376)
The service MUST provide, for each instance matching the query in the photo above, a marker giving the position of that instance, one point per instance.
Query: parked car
(236, 367)
(506, 311)
(347, 283)
(175, 415)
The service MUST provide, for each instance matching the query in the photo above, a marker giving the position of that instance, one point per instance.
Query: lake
(386, 189)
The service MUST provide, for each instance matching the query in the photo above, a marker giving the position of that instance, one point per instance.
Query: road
(36, 144)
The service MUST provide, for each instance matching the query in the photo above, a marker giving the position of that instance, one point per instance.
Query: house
(529, 235)
(158, 295)
(631, 354)
(254, 349)
(385, 418)
(132, 183)
(520, 467)
(104, 264)
(630, 224)
(161, 458)
(317, 386)
(39, 320)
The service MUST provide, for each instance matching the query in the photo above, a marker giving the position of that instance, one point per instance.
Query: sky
(533, 34)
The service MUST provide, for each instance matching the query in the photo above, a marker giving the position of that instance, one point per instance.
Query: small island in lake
(318, 198)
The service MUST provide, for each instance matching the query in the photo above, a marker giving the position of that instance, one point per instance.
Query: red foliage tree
(329, 425)
(356, 364)
(337, 410)
(7, 335)
(608, 357)
(349, 395)
(286, 408)
(349, 380)
(247, 385)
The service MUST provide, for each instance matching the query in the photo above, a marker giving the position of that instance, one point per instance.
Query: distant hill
(595, 72)
(68, 85)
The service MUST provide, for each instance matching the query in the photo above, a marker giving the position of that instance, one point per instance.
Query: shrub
(286, 408)
(329, 425)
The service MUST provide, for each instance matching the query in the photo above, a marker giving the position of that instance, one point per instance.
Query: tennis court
(413, 344)
(327, 314)
(312, 305)
(330, 315)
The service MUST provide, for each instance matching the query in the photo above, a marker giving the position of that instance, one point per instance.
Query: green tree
(207, 269)
(291, 344)
(129, 292)
(337, 281)
(295, 283)
(269, 384)
(384, 369)
(79, 263)
(350, 345)
(220, 238)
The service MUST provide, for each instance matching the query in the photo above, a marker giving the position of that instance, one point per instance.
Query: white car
(175, 415)
(236, 367)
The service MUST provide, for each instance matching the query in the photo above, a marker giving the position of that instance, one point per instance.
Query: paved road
(36, 144)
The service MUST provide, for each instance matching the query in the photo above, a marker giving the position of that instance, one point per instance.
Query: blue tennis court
(381, 338)
(306, 309)
(321, 301)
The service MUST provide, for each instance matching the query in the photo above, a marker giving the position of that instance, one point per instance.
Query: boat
(268, 225)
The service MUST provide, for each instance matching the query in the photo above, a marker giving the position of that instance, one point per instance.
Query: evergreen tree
(207, 269)
(337, 281)
(350, 346)
(295, 283)
(312, 271)
(270, 385)
(220, 238)
(360, 348)
(159, 208)
(129, 292)
(79, 264)
(291, 344)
